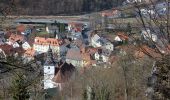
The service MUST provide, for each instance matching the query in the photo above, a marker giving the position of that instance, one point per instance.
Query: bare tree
(155, 18)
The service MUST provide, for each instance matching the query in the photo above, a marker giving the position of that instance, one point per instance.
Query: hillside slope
(56, 7)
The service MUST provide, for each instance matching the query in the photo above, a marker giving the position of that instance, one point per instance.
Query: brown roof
(21, 28)
(144, 50)
(78, 42)
(64, 72)
(48, 41)
(60, 78)
(122, 36)
(15, 37)
(8, 49)
(19, 50)
(91, 50)
(109, 13)
(74, 24)
(8, 34)
(30, 52)
(74, 54)
(77, 54)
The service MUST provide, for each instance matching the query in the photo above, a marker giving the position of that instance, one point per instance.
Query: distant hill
(59, 7)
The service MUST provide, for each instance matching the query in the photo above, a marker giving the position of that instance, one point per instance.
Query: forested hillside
(55, 7)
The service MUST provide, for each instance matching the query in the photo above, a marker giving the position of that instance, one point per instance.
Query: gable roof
(64, 72)
(74, 53)
(30, 52)
(15, 38)
(75, 24)
(96, 37)
(8, 49)
(48, 41)
(122, 36)
(21, 28)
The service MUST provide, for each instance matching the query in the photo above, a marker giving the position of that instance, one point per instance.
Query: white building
(149, 36)
(14, 39)
(41, 45)
(97, 41)
(49, 71)
(26, 45)
(74, 57)
(74, 25)
(102, 55)
(108, 46)
(56, 74)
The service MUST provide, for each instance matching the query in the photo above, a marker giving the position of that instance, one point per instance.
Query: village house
(18, 41)
(29, 54)
(56, 73)
(97, 41)
(114, 13)
(79, 57)
(148, 36)
(121, 37)
(21, 28)
(6, 50)
(41, 45)
(52, 29)
(76, 35)
(15, 38)
(102, 55)
(74, 57)
(9, 50)
(75, 26)
(64, 72)
(75, 30)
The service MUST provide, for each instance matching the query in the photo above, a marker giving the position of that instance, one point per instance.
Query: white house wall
(77, 63)
(49, 72)
(44, 48)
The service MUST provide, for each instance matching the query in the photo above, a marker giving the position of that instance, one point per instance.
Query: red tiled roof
(92, 50)
(78, 29)
(21, 28)
(144, 50)
(48, 41)
(19, 50)
(74, 24)
(122, 36)
(109, 13)
(64, 72)
(8, 34)
(15, 37)
(59, 77)
(30, 52)
(8, 49)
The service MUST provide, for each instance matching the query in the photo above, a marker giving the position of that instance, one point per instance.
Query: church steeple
(49, 59)
(49, 70)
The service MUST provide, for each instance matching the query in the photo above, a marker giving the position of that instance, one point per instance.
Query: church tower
(49, 70)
